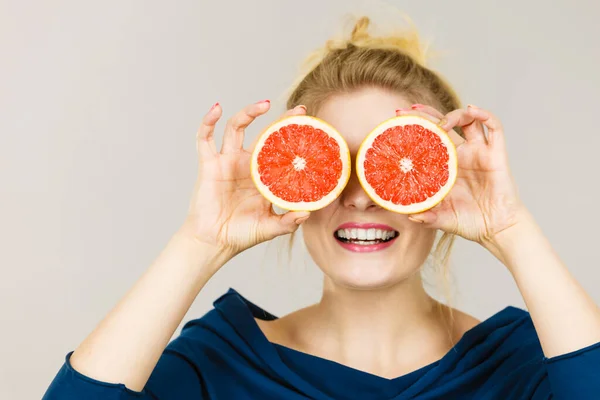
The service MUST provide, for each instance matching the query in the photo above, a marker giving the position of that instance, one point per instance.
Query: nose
(353, 196)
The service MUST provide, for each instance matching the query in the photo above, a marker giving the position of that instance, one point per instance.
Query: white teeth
(362, 236)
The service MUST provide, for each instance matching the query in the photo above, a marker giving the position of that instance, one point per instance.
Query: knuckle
(233, 122)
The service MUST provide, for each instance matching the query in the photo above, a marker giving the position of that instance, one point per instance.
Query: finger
(492, 123)
(432, 115)
(233, 139)
(428, 109)
(439, 217)
(420, 113)
(471, 127)
(298, 110)
(205, 142)
(289, 222)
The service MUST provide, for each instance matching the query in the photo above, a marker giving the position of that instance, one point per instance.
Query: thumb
(427, 217)
(435, 218)
(289, 222)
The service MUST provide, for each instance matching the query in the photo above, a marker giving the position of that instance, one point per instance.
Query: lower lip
(360, 248)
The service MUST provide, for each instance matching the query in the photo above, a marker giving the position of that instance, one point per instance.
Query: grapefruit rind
(315, 123)
(401, 121)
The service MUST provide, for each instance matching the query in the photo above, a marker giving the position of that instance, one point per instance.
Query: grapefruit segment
(300, 163)
(407, 164)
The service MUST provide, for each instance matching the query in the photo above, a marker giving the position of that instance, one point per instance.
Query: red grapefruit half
(300, 163)
(407, 164)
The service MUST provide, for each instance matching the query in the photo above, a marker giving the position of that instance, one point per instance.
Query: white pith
(299, 163)
(406, 165)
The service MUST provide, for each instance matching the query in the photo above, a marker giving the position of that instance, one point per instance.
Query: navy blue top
(225, 355)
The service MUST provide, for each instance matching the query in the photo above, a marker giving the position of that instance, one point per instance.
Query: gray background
(100, 101)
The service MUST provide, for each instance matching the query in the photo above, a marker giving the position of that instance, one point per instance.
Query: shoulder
(510, 328)
(506, 340)
(503, 355)
(461, 322)
(220, 329)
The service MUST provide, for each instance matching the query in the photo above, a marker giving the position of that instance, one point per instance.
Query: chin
(368, 275)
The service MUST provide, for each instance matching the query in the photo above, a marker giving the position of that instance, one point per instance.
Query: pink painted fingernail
(213, 107)
(264, 101)
(417, 106)
(402, 109)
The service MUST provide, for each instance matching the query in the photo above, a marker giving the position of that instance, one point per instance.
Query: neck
(391, 310)
(387, 331)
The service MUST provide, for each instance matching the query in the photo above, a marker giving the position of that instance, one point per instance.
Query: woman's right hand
(226, 210)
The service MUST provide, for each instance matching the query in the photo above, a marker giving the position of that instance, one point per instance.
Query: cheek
(316, 234)
(417, 246)
(319, 219)
(313, 232)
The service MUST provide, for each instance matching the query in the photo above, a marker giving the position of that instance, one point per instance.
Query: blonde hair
(395, 62)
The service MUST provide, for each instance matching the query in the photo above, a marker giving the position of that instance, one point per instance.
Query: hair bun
(404, 40)
(359, 32)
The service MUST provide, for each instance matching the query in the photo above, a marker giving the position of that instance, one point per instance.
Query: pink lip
(357, 248)
(350, 225)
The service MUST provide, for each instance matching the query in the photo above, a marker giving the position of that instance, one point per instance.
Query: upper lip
(364, 225)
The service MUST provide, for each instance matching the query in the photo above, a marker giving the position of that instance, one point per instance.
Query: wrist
(208, 255)
(503, 243)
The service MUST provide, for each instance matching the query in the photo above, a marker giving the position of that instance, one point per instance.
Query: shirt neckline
(240, 313)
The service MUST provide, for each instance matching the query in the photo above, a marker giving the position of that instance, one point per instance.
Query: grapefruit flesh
(407, 164)
(300, 163)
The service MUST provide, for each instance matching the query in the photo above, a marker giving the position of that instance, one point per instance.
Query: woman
(375, 334)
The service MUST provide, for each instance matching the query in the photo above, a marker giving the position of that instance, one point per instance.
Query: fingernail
(301, 219)
(471, 106)
(302, 107)
(213, 107)
(264, 101)
(402, 109)
(418, 221)
(417, 106)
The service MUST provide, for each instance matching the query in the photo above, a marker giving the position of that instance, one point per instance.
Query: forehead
(356, 113)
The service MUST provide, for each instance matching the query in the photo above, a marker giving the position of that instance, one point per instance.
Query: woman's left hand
(484, 200)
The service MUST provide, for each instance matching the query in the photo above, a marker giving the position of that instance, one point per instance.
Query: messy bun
(406, 41)
(396, 61)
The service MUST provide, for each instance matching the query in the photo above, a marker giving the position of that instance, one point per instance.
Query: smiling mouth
(365, 237)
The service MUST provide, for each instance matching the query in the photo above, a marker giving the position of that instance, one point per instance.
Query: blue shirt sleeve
(575, 375)
(173, 378)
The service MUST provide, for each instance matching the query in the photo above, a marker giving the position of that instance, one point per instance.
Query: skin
(374, 314)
